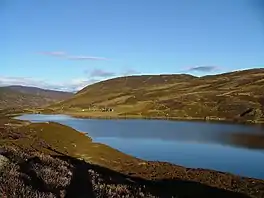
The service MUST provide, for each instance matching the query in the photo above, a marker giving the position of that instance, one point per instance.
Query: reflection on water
(225, 147)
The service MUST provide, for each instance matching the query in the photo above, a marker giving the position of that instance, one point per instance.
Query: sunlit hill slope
(235, 95)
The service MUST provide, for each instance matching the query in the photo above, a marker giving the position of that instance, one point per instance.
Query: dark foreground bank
(25, 174)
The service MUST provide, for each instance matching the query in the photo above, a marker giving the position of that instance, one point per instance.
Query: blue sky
(67, 44)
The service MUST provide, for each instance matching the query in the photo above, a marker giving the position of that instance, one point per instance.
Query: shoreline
(86, 134)
(65, 139)
(125, 117)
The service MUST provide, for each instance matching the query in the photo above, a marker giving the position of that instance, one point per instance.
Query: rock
(74, 145)
(3, 161)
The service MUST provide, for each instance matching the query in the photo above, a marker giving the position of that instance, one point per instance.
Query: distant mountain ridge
(25, 97)
(60, 95)
(233, 95)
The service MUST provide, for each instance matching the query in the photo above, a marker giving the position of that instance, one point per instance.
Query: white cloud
(5, 81)
(65, 55)
(72, 85)
(77, 84)
(101, 73)
(131, 72)
(86, 58)
(53, 53)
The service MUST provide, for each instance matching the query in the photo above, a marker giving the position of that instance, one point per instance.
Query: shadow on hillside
(81, 183)
(35, 181)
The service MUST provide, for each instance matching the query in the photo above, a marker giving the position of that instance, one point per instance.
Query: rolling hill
(25, 97)
(55, 95)
(236, 95)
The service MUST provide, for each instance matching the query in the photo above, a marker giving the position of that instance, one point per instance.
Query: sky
(68, 44)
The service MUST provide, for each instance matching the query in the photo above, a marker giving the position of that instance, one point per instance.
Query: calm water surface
(224, 147)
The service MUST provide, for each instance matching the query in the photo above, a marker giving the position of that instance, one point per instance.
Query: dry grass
(34, 174)
(28, 97)
(224, 96)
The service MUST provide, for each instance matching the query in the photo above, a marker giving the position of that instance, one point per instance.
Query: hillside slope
(52, 94)
(25, 97)
(235, 95)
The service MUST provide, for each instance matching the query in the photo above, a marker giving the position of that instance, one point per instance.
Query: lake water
(217, 146)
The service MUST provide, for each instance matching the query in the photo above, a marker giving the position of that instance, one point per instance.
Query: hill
(57, 95)
(23, 97)
(235, 95)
